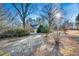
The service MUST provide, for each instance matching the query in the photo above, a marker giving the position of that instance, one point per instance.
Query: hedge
(14, 33)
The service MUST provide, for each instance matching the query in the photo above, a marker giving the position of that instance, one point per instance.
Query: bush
(43, 29)
(14, 33)
(4, 53)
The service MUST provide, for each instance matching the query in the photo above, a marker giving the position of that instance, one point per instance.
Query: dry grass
(70, 44)
(4, 53)
(69, 51)
(41, 50)
(73, 32)
(45, 49)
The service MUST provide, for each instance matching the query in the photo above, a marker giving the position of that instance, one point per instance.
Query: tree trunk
(24, 24)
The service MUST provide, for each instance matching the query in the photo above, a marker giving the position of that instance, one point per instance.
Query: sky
(70, 10)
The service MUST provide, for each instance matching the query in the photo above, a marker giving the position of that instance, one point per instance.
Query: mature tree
(54, 16)
(22, 10)
(3, 13)
(3, 16)
(47, 10)
(7, 18)
(50, 11)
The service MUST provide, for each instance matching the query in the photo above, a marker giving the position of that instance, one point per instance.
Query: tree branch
(22, 9)
(26, 8)
(19, 12)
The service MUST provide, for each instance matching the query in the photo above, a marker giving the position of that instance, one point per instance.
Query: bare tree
(22, 10)
(47, 9)
(3, 16)
(7, 18)
(50, 10)
(54, 19)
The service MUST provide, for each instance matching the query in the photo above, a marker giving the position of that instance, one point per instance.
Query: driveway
(25, 46)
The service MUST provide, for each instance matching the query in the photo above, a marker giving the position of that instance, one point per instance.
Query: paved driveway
(24, 46)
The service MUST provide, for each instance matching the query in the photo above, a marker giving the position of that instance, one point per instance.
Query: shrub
(20, 32)
(43, 29)
(14, 33)
(4, 53)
